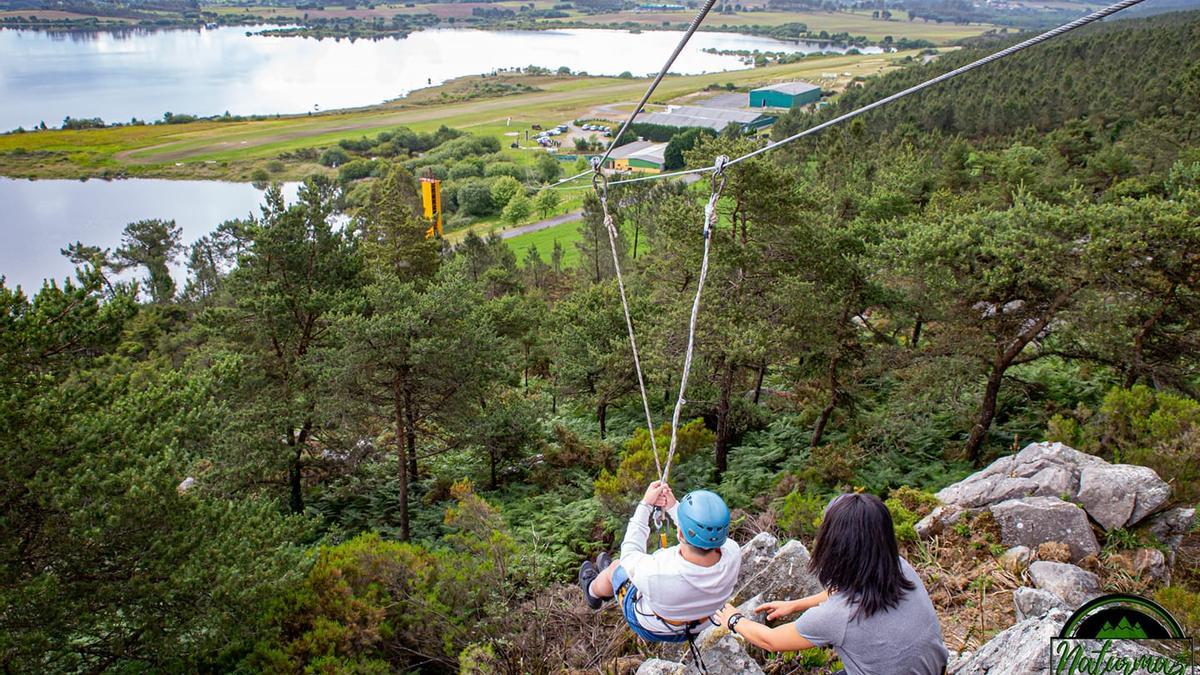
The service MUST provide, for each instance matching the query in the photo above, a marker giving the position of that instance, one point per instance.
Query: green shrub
(1183, 604)
(1142, 426)
(908, 505)
(334, 157)
(799, 514)
(376, 606)
(619, 491)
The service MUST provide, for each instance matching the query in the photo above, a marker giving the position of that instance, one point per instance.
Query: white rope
(710, 222)
(601, 188)
(1008, 51)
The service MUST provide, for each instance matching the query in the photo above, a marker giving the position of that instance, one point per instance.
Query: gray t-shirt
(905, 639)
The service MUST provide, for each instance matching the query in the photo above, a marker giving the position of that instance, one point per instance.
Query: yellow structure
(431, 197)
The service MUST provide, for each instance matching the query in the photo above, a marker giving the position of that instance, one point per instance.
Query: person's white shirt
(670, 587)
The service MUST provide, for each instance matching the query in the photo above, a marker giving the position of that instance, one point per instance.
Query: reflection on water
(117, 76)
(42, 217)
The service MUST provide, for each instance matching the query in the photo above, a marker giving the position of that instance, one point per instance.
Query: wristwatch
(733, 622)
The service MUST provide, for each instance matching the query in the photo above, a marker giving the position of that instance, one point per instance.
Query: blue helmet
(703, 519)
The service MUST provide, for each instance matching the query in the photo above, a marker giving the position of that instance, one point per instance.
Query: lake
(41, 217)
(116, 76)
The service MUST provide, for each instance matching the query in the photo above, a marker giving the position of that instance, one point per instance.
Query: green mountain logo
(1123, 630)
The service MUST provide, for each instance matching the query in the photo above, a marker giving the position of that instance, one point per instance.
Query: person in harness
(668, 596)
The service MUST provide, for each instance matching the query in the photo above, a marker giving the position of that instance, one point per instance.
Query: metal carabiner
(719, 172)
(599, 180)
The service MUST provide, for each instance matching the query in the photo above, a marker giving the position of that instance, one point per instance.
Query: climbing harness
(687, 631)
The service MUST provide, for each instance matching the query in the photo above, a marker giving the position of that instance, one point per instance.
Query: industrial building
(644, 156)
(786, 95)
(717, 119)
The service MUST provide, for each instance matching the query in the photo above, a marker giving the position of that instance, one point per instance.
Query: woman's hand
(723, 614)
(778, 608)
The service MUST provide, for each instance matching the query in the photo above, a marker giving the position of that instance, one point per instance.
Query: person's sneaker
(603, 561)
(587, 572)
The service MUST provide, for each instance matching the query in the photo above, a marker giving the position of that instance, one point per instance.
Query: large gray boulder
(756, 555)
(1121, 495)
(1071, 584)
(1113, 495)
(1022, 649)
(1170, 527)
(1031, 603)
(1039, 470)
(660, 667)
(723, 653)
(786, 577)
(1032, 521)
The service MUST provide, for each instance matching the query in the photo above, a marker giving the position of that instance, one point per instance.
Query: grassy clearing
(232, 150)
(566, 235)
(854, 23)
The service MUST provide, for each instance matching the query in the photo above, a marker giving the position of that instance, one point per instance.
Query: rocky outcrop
(1031, 521)
(723, 653)
(784, 577)
(1121, 495)
(1072, 585)
(1049, 492)
(1023, 649)
(1040, 470)
(660, 667)
(1170, 527)
(757, 554)
(1031, 603)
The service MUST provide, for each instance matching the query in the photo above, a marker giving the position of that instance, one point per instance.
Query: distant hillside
(1118, 70)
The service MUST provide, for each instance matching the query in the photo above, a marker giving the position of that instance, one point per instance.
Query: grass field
(854, 23)
(232, 150)
(566, 235)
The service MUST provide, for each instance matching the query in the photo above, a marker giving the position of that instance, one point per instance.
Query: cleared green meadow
(854, 23)
(233, 150)
(565, 234)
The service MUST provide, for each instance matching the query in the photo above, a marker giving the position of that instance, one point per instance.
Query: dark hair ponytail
(856, 554)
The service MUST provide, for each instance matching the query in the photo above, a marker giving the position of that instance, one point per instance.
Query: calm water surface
(40, 217)
(48, 76)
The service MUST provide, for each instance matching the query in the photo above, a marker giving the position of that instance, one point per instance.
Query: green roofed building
(786, 95)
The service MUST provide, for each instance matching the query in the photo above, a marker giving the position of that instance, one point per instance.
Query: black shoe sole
(587, 572)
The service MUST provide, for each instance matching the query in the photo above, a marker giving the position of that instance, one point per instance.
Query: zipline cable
(1008, 51)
